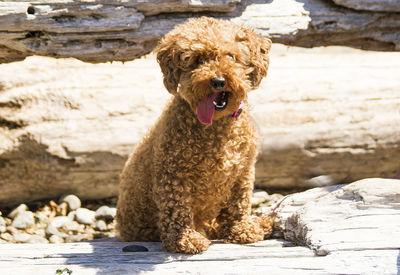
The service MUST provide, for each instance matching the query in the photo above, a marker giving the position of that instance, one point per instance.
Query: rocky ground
(71, 220)
(67, 220)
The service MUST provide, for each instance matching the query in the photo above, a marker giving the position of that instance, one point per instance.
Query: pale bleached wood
(371, 5)
(325, 116)
(99, 31)
(265, 256)
(364, 215)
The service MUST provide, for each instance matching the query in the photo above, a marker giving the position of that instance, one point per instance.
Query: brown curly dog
(191, 178)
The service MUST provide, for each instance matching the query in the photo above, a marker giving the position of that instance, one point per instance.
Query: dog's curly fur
(187, 182)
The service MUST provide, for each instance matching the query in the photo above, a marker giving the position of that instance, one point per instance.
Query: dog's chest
(221, 158)
(208, 160)
(222, 162)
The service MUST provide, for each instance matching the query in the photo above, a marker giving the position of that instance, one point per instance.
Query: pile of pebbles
(68, 221)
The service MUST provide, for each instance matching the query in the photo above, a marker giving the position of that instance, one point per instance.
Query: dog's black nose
(218, 83)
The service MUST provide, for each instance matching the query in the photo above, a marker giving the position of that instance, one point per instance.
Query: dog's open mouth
(221, 101)
(207, 107)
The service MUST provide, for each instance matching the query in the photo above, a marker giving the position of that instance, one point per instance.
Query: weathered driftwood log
(371, 5)
(99, 31)
(352, 229)
(325, 117)
(361, 216)
(270, 256)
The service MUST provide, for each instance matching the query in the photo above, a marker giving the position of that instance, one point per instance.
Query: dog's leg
(136, 212)
(236, 223)
(135, 215)
(176, 223)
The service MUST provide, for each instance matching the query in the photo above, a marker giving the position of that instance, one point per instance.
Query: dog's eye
(199, 61)
(232, 56)
(186, 59)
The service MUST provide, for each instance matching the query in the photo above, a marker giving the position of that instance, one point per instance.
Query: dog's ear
(260, 61)
(259, 48)
(167, 55)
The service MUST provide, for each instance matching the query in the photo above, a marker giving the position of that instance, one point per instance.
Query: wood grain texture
(370, 5)
(325, 116)
(364, 215)
(344, 229)
(99, 31)
(274, 256)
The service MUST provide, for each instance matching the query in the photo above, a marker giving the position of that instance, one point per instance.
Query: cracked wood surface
(363, 215)
(274, 256)
(99, 31)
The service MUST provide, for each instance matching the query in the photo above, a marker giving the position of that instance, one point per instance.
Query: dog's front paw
(250, 230)
(267, 225)
(189, 241)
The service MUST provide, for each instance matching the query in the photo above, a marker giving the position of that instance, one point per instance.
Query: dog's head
(212, 64)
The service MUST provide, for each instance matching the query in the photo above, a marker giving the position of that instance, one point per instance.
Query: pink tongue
(205, 110)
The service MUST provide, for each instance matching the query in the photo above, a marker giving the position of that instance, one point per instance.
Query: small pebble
(41, 218)
(263, 211)
(36, 231)
(21, 208)
(275, 199)
(37, 239)
(73, 201)
(59, 221)
(23, 220)
(135, 248)
(106, 213)
(72, 226)
(61, 209)
(321, 181)
(2, 225)
(259, 196)
(7, 237)
(84, 216)
(100, 225)
(22, 237)
(51, 230)
(12, 230)
(56, 239)
(78, 238)
(71, 215)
